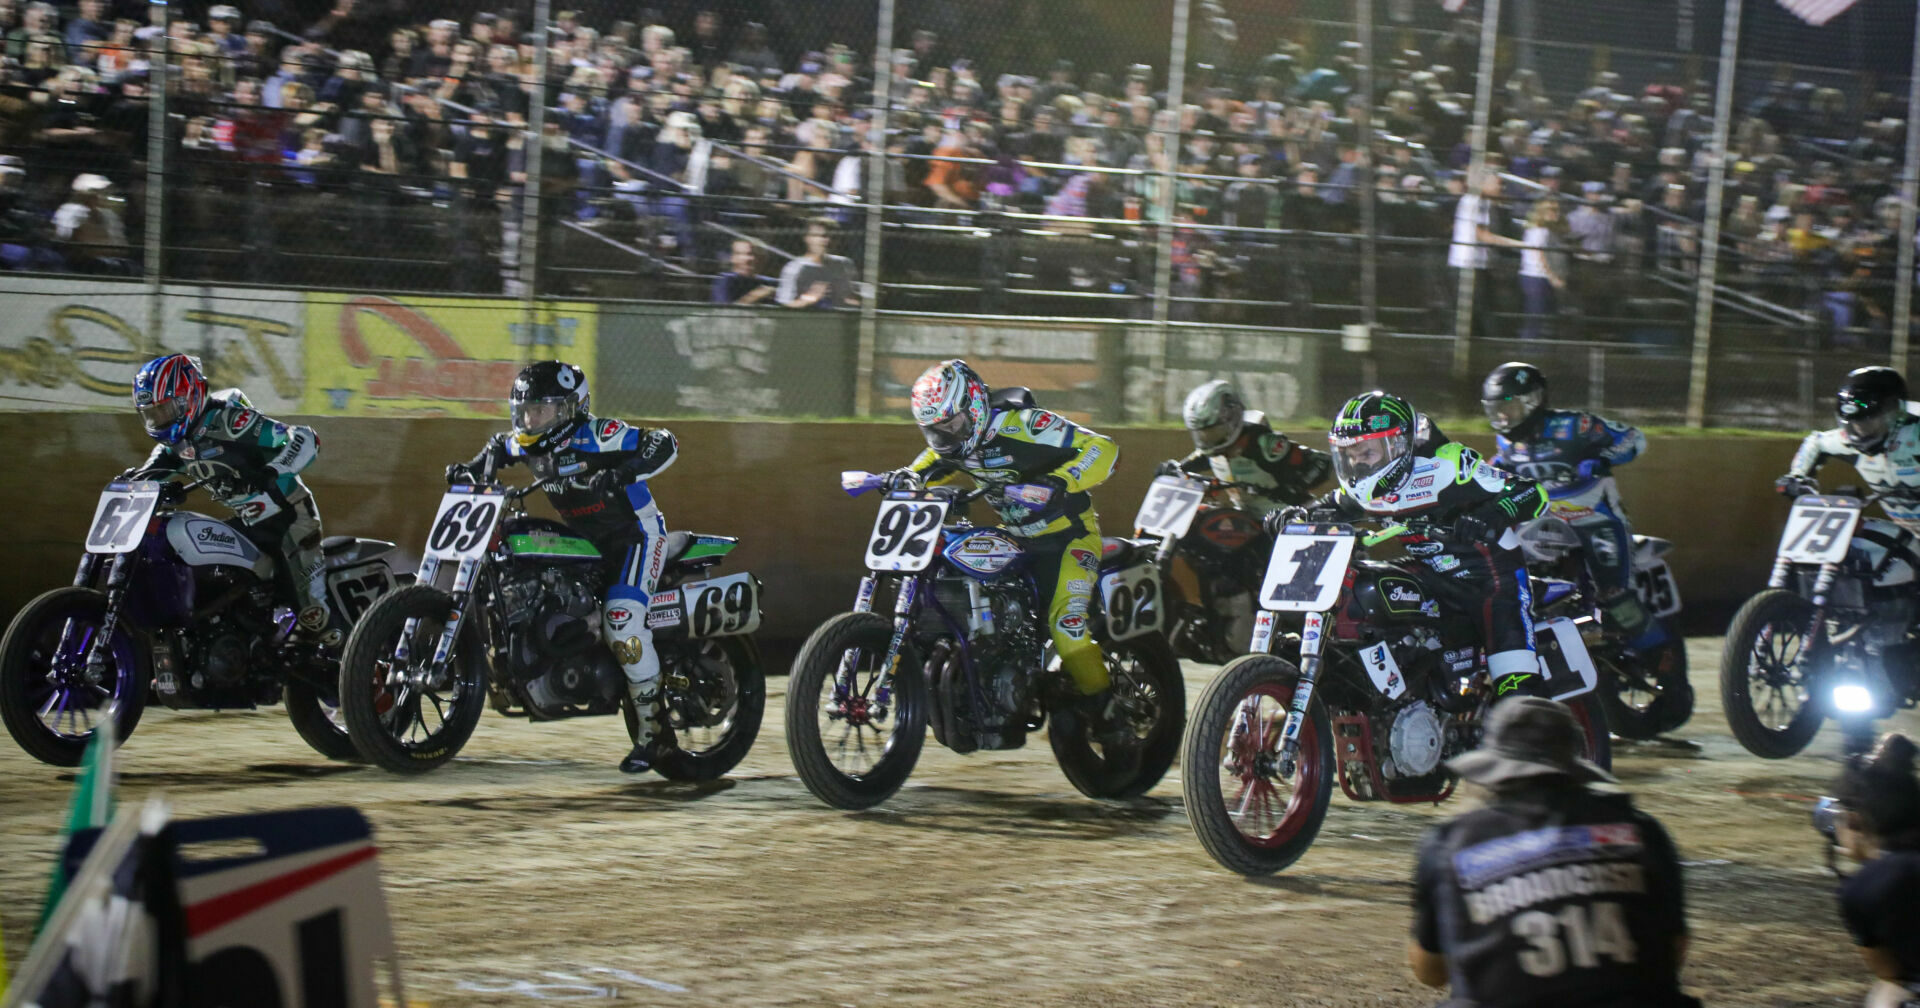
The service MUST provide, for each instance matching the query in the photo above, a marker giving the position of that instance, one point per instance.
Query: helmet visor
(539, 417)
(1508, 412)
(1867, 431)
(1356, 459)
(1215, 436)
(948, 436)
(162, 415)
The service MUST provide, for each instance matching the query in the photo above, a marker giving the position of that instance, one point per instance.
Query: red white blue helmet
(170, 393)
(950, 405)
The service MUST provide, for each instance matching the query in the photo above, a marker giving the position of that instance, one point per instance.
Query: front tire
(315, 719)
(1146, 678)
(47, 706)
(871, 772)
(716, 717)
(1765, 687)
(1248, 817)
(388, 723)
(1646, 694)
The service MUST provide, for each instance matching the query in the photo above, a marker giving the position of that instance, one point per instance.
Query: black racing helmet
(1513, 395)
(549, 399)
(1372, 442)
(1868, 403)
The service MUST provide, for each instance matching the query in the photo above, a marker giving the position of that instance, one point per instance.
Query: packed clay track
(529, 871)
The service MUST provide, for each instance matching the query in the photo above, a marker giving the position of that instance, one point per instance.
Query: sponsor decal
(1012, 428)
(1079, 586)
(658, 618)
(569, 468)
(609, 428)
(1079, 468)
(627, 650)
(240, 419)
(1511, 682)
(251, 511)
(1073, 624)
(1381, 422)
(1402, 593)
(1085, 559)
(1422, 483)
(1430, 608)
(186, 451)
(666, 599)
(1040, 420)
(1444, 562)
(619, 616)
(214, 537)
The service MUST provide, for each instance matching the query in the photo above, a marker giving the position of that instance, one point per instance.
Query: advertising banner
(663, 361)
(75, 344)
(1061, 362)
(371, 355)
(1274, 372)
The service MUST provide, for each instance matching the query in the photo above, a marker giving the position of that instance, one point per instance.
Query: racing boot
(647, 746)
(1517, 673)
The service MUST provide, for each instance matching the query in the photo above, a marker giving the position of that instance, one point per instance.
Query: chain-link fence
(1086, 196)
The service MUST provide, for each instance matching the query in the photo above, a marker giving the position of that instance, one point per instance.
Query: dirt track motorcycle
(1196, 518)
(1388, 687)
(507, 610)
(967, 651)
(177, 607)
(1834, 632)
(1645, 694)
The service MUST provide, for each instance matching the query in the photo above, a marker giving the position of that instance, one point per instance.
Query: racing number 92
(1130, 606)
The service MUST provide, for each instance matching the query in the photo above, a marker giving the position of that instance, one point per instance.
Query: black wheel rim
(857, 726)
(703, 706)
(65, 700)
(413, 706)
(1776, 685)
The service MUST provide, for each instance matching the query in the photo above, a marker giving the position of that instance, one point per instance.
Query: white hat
(89, 182)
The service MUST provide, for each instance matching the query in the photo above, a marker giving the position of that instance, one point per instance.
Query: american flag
(1813, 12)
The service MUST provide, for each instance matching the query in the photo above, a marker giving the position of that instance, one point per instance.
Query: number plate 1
(120, 521)
(463, 527)
(1819, 529)
(1131, 600)
(906, 535)
(1305, 571)
(1169, 506)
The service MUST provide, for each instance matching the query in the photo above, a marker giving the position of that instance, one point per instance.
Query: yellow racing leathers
(1037, 467)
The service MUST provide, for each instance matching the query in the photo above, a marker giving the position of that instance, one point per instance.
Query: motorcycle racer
(1878, 436)
(1038, 468)
(1236, 445)
(1382, 458)
(598, 468)
(252, 464)
(1572, 454)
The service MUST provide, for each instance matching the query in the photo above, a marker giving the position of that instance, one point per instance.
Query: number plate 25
(1131, 599)
(906, 534)
(1305, 571)
(463, 527)
(1820, 529)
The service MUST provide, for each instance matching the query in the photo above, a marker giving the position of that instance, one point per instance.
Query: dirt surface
(530, 870)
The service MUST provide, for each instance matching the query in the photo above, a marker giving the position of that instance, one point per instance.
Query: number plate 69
(463, 527)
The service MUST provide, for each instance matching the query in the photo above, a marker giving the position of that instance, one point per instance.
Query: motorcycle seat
(345, 551)
(694, 550)
(1547, 591)
(332, 545)
(1118, 552)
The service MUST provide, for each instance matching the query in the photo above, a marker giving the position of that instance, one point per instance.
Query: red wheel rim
(1261, 808)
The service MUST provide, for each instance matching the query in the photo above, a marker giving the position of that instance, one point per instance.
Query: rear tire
(1777, 620)
(310, 717)
(1149, 678)
(26, 655)
(1254, 831)
(1637, 713)
(377, 714)
(815, 669)
(743, 719)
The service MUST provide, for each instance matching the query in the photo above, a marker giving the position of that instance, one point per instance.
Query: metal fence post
(868, 340)
(533, 152)
(1710, 235)
(156, 216)
(1476, 168)
(1369, 230)
(1170, 197)
(1903, 272)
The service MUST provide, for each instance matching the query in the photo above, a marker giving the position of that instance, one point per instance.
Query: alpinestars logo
(1511, 682)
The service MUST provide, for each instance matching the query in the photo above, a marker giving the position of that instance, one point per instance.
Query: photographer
(1553, 893)
(1878, 825)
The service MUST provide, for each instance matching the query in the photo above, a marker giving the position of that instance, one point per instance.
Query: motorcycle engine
(1415, 743)
(553, 629)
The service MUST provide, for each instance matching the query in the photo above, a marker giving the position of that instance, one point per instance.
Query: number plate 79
(1819, 529)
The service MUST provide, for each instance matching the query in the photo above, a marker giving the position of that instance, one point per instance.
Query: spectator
(1538, 279)
(818, 279)
(90, 226)
(36, 19)
(1552, 893)
(1472, 234)
(86, 33)
(742, 283)
(953, 182)
(1879, 827)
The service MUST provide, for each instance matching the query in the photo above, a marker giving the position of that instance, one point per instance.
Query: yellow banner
(370, 355)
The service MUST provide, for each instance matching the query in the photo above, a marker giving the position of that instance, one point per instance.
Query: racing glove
(607, 481)
(900, 479)
(1593, 468)
(459, 472)
(172, 494)
(1274, 521)
(1471, 528)
(1794, 486)
(1167, 468)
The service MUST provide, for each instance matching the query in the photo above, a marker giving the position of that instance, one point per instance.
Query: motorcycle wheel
(1247, 817)
(1591, 714)
(715, 715)
(319, 721)
(389, 725)
(1770, 706)
(1147, 678)
(821, 724)
(1642, 699)
(52, 715)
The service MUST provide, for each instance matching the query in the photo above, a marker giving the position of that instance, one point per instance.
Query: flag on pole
(92, 803)
(1817, 12)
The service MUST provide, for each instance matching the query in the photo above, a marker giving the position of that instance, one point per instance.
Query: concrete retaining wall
(774, 485)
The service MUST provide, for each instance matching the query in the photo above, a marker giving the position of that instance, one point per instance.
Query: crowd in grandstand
(673, 140)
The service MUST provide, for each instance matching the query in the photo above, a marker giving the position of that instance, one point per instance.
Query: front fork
(843, 687)
(1311, 638)
(443, 648)
(97, 654)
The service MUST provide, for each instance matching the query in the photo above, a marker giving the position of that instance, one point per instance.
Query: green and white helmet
(1215, 415)
(1372, 441)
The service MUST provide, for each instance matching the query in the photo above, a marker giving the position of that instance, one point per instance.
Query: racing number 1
(1304, 583)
